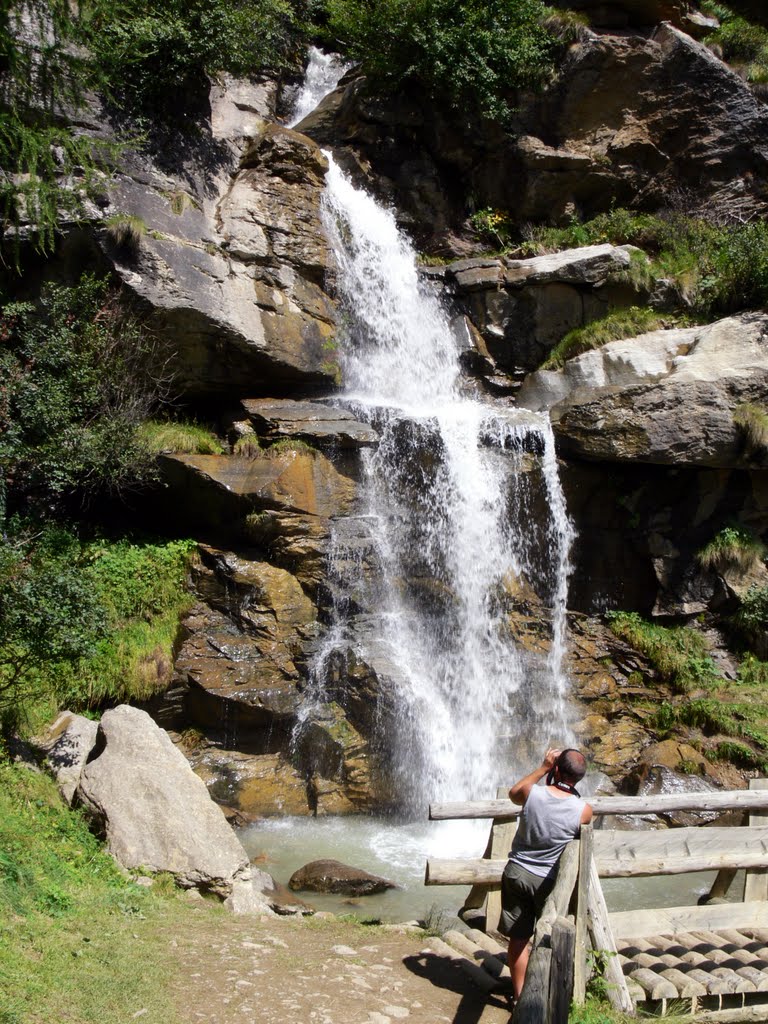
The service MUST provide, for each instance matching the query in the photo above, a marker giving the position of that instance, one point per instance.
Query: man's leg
(517, 958)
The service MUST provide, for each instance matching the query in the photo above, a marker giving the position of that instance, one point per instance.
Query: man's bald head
(572, 766)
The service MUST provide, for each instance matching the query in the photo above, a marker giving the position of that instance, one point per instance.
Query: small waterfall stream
(324, 71)
(450, 491)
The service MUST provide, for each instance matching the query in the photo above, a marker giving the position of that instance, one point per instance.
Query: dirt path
(277, 971)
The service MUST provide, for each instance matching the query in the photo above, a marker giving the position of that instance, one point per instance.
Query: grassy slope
(78, 942)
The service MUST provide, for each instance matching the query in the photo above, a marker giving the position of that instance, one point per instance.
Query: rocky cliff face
(231, 264)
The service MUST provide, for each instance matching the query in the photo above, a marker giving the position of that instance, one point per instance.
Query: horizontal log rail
(625, 854)
(735, 800)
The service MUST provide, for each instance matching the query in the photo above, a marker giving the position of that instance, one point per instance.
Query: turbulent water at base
(324, 71)
(466, 515)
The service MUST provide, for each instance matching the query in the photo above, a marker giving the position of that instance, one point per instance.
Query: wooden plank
(625, 854)
(740, 1015)
(603, 939)
(502, 834)
(478, 894)
(492, 963)
(561, 971)
(756, 880)
(745, 799)
(532, 1004)
(632, 924)
(721, 884)
(476, 973)
(486, 942)
(686, 985)
(582, 912)
(654, 986)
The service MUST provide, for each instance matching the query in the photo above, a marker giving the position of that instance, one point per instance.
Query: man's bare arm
(518, 794)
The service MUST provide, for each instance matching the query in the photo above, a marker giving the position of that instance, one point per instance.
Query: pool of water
(399, 850)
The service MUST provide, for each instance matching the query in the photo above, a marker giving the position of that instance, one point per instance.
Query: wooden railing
(558, 958)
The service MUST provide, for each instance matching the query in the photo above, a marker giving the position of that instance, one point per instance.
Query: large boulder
(334, 877)
(153, 811)
(311, 422)
(665, 398)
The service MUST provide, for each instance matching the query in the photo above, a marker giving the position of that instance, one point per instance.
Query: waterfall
(466, 512)
(324, 71)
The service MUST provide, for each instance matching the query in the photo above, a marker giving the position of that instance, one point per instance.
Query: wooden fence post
(756, 880)
(582, 912)
(602, 940)
(561, 971)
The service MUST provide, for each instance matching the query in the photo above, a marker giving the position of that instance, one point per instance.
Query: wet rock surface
(335, 877)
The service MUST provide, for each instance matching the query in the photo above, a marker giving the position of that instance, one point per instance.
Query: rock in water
(333, 876)
(154, 812)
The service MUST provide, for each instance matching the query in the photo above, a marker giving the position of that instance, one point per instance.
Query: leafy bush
(80, 376)
(742, 42)
(624, 323)
(472, 54)
(80, 623)
(179, 436)
(679, 653)
(733, 548)
(152, 54)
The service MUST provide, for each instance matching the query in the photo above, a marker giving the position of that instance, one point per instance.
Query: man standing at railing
(552, 816)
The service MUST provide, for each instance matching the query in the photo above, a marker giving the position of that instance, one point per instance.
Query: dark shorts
(523, 895)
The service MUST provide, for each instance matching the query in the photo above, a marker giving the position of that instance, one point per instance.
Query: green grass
(179, 437)
(623, 323)
(125, 230)
(752, 420)
(248, 447)
(734, 548)
(741, 42)
(78, 942)
(679, 654)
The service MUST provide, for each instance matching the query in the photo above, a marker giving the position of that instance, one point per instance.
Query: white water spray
(451, 489)
(323, 74)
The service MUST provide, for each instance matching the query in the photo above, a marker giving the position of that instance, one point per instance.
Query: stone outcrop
(335, 877)
(666, 398)
(522, 308)
(65, 746)
(153, 811)
(623, 123)
(230, 266)
(311, 422)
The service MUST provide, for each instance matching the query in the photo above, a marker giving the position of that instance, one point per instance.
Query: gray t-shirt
(548, 823)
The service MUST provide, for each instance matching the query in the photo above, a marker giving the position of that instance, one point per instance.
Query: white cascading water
(452, 492)
(324, 71)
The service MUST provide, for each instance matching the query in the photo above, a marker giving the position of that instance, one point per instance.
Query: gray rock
(66, 744)
(623, 402)
(154, 812)
(333, 876)
(659, 780)
(312, 422)
(522, 308)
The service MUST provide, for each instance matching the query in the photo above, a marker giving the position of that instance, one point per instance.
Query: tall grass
(78, 942)
(734, 548)
(177, 436)
(679, 654)
(623, 323)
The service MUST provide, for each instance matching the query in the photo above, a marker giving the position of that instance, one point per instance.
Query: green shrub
(179, 436)
(81, 623)
(153, 55)
(471, 54)
(742, 42)
(679, 654)
(623, 323)
(733, 548)
(80, 376)
(248, 447)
